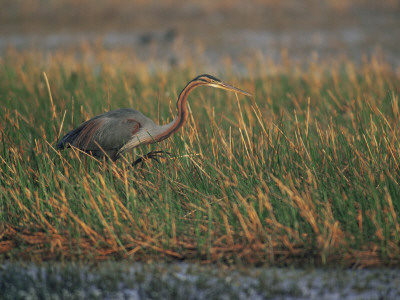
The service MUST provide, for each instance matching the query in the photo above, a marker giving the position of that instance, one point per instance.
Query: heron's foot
(151, 155)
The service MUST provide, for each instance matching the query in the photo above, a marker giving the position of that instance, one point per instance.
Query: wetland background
(305, 173)
(214, 31)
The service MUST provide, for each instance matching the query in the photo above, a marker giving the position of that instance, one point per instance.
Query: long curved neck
(182, 114)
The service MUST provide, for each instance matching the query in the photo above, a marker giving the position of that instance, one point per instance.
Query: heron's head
(215, 82)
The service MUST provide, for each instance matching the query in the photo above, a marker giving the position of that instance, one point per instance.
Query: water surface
(190, 281)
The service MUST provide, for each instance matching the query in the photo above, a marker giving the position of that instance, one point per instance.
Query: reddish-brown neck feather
(182, 115)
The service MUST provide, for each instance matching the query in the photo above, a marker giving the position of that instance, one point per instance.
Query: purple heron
(115, 132)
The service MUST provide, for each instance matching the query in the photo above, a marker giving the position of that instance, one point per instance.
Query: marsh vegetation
(306, 171)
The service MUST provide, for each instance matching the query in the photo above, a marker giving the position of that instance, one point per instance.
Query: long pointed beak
(229, 87)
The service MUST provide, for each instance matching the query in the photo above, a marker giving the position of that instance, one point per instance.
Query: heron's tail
(69, 138)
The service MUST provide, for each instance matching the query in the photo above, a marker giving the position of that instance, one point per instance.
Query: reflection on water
(188, 281)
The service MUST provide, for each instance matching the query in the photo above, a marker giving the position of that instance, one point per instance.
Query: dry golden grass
(305, 172)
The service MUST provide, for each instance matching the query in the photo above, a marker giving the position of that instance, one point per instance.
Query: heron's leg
(151, 155)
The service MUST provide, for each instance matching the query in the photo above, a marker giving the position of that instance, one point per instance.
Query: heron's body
(93, 136)
(118, 131)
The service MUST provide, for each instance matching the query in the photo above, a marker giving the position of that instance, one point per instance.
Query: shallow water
(190, 281)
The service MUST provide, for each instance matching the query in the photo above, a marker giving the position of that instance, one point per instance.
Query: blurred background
(208, 30)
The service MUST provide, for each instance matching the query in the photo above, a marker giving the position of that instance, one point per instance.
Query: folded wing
(105, 134)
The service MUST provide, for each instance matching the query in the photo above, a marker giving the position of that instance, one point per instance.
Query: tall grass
(307, 171)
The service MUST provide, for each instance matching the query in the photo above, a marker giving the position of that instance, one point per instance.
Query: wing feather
(105, 133)
(88, 133)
